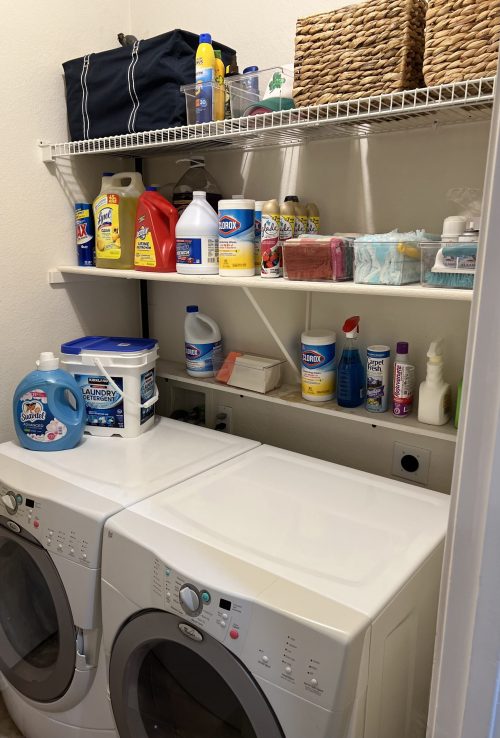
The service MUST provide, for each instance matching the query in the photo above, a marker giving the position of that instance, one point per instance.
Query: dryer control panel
(224, 617)
(60, 530)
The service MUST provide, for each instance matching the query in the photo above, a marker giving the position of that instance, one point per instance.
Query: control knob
(10, 502)
(189, 599)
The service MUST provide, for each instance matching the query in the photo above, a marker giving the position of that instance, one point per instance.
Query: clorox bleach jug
(197, 238)
(48, 408)
(155, 233)
(202, 342)
(115, 209)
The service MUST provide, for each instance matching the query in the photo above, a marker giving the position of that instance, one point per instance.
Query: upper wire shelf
(458, 102)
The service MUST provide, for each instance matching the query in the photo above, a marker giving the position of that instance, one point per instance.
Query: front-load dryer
(53, 507)
(276, 596)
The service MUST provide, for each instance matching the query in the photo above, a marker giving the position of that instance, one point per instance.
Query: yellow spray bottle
(220, 95)
(205, 78)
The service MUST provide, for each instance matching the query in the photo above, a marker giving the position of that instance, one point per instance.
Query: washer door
(166, 684)
(37, 635)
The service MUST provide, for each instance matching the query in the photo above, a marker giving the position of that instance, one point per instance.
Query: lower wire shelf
(290, 396)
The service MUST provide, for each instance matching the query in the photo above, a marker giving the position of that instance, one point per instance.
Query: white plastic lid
(454, 225)
(243, 204)
(47, 362)
(319, 337)
(200, 193)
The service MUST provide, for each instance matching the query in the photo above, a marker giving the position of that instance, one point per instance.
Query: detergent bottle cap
(205, 38)
(47, 362)
(351, 327)
(107, 174)
(250, 70)
(200, 194)
(435, 352)
(192, 309)
(402, 347)
(152, 188)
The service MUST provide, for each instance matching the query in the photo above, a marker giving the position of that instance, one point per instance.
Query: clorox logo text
(192, 352)
(228, 224)
(312, 358)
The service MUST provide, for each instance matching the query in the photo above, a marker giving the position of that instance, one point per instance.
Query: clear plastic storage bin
(246, 371)
(386, 262)
(264, 91)
(318, 259)
(190, 92)
(462, 280)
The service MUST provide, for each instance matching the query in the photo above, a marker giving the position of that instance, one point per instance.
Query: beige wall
(373, 184)
(36, 216)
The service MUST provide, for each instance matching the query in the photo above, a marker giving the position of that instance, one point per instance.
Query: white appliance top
(126, 470)
(350, 536)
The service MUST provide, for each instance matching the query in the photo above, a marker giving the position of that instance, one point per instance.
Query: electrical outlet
(411, 463)
(224, 418)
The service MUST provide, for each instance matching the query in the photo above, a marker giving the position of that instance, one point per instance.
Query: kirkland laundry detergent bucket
(118, 380)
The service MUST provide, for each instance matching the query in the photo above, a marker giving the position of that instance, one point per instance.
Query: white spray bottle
(434, 401)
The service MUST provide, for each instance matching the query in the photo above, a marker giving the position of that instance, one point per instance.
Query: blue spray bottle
(350, 373)
(49, 409)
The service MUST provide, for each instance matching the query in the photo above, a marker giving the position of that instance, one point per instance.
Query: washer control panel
(59, 529)
(222, 616)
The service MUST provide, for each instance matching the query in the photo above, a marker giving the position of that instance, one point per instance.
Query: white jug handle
(144, 405)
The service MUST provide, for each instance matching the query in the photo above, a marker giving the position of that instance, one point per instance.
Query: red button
(36, 523)
(234, 634)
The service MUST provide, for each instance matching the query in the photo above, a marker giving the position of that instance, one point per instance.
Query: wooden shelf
(290, 396)
(66, 274)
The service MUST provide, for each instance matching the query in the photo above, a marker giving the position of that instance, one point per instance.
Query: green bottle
(459, 400)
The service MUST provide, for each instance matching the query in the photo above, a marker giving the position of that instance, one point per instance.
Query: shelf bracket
(271, 330)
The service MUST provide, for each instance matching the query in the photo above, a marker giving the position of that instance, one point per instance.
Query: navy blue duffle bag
(132, 88)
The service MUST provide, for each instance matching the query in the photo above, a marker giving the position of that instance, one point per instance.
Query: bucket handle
(143, 405)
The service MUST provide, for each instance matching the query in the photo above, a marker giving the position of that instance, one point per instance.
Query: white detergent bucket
(118, 380)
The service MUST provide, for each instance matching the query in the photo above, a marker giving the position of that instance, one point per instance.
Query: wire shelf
(459, 102)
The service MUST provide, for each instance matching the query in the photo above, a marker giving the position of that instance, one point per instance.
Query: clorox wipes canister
(237, 238)
(117, 377)
(318, 365)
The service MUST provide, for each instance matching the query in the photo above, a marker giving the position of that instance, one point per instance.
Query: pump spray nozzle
(435, 352)
(351, 326)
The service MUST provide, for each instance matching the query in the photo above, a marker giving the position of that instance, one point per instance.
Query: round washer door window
(37, 635)
(164, 684)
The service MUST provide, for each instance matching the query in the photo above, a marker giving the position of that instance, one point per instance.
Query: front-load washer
(53, 507)
(276, 596)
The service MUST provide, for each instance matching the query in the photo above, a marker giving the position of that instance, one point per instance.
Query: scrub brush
(448, 269)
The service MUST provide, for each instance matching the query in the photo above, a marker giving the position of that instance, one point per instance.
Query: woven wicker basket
(461, 40)
(361, 50)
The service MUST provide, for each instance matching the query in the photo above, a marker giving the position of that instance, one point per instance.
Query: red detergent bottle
(155, 233)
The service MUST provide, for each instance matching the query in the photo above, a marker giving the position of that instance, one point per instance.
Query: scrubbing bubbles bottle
(45, 417)
(350, 373)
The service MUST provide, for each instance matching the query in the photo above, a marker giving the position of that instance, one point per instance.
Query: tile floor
(7, 727)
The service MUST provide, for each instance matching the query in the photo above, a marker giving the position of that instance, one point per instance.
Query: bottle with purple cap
(403, 386)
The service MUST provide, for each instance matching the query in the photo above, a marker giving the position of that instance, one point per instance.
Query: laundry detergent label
(106, 210)
(203, 250)
(318, 370)
(104, 404)
(203, 357)
(148, 388)
(36, 420)
(145, 254)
